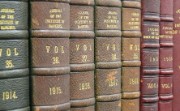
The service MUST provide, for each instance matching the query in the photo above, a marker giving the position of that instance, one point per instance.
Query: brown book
(82, 55)
(14, 67)
(176, 55)
(131, 33)
(150, 55)
(166, 56)
(108, 55)
(50, 33)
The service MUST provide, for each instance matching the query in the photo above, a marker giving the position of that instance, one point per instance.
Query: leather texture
(116, 3)
(176, 56)
(14, 57)
(108, 55)
(108, 52)
(55, 23)
(50, 55)
(166, 56)
(82, 52)
(166, 10)
(108, 106)
(131, 3)
(108, 84)
(82, 88)
(151, 10)
(82, 2)
(150, 55)
(89, 108)
(15, 93)
(111, 25)
(13, 54)
(18, 20)
(131, 34)
(130, 104)
(51, 91)
(82, 55)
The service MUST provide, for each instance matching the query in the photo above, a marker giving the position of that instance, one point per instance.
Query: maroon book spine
(150, 55)
(176, 56)
(165, 56)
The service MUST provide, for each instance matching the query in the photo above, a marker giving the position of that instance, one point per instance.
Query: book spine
(82, 55)
(50, 32)
(166, 55)
(150, 55)
(108, 55)
(131, 33)
(176, 55)
(14, 69)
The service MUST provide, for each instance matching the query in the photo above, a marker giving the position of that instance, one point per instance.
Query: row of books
(89, 55)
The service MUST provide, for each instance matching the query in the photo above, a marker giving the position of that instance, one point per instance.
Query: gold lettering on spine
(112, 80)
(55, 60)
(134, 81)
(166, 86)
(134, 21)
(84, 86)
(55, 20)
(9, 64)
(8, 52)
(16, 53)
(48, 49)
(84, 48)
(83, 21)
(112, 20)
(77, 47)
(9, 95)
(55, 50)
(7, 19)
(154, 33)
(154, 59)
(152, 85)
(84, 58)
(55, 90)
(168, 59)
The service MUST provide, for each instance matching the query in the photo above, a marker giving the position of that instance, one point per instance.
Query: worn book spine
(131, 33)
(82, 55)
(14, 69)
(50, 32)
(166, 55)
(150, 55)
(108, 55)
(176, 55)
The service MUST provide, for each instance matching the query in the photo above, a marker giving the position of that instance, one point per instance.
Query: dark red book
(165, 56)
(176, 56)
(150, 55)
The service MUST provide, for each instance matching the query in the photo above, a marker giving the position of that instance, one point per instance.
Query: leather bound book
(131, 33)
(82, 55)
(50, 24)
(14, 68)
(150, 55)
(108, 55)
(166, 56)
(176, 55)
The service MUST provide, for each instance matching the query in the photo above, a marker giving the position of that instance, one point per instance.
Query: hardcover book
(131, 33)
(50, 24)
(176, 55)
(14, 68)
(166, 56)
(150, 55)
(108, 55)
(82, 55)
